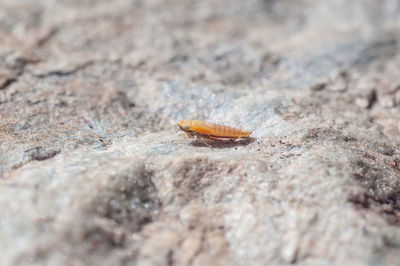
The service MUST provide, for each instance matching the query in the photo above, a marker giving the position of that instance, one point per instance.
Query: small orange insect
(209, 130)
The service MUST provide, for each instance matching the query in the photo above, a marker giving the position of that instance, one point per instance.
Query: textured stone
(94, 171)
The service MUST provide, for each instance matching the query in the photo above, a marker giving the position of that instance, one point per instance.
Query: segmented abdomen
(221, 130)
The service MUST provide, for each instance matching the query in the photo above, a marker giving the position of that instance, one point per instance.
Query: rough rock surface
(93, 170)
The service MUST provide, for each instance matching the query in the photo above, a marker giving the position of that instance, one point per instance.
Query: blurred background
(93, 170)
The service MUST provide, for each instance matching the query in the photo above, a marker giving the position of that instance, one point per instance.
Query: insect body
(209, 130)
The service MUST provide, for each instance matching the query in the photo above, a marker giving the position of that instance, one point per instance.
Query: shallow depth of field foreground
(95, 171)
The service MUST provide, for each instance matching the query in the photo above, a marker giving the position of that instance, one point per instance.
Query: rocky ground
(94, 171)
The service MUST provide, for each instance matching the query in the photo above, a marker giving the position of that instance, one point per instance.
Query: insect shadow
(221, 144)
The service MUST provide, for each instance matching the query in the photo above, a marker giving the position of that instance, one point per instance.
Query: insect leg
(204, 142)
(212, 137)
(222, 138)
(201, 138)
(190, 135)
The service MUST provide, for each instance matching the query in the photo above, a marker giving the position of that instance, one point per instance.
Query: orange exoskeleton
(209, 130)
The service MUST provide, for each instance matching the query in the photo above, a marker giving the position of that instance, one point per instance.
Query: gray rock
(94, 171)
